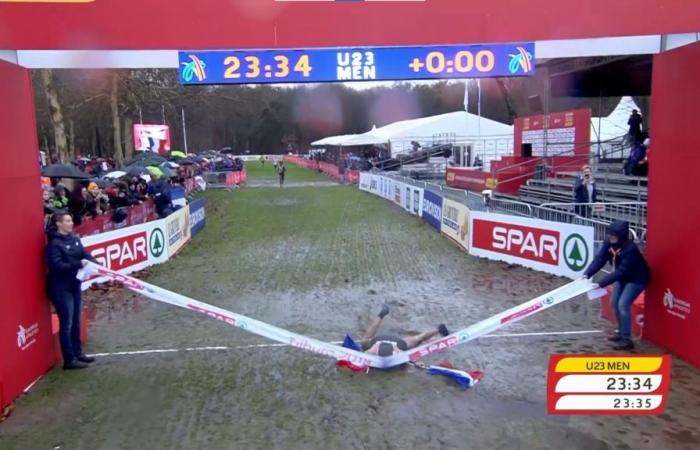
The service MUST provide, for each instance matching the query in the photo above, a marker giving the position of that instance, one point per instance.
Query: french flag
(462, 377)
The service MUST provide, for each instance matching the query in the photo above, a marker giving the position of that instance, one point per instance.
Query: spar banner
(432, 209)
(455, 222)
(177, 229)
(364, 181)
(197, 216)
(557, 248)
(128, 249)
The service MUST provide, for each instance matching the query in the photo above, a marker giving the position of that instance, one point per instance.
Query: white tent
(458, 125)
(615, 124)
(334, 140)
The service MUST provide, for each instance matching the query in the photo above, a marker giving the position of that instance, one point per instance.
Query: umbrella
(155, 171)
(115, 174)
(185, 162)
(147, 159)
(166, 171)
(64, 171)
(136, 170)
(177, 154)
(103, 183)
(226, 150)
(170, 164)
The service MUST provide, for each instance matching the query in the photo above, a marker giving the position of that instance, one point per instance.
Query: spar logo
(156, 242)
(576, 252)
(675, 306)
(26, 337)
(123, 252)
(534, 244)
(436, 346)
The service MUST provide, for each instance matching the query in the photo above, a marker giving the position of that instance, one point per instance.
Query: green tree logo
(157, 242)
(576, 252)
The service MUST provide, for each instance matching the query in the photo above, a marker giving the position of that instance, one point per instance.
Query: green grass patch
(256, 170)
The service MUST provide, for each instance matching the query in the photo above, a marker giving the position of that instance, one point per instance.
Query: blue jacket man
(64, 257)
(630, 276)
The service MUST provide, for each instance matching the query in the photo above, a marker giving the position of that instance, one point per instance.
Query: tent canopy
(458, 123)
(615, 125)
(333, 140)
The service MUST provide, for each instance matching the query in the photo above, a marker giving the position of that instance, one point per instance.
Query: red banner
(136, 214)
(329, 169)
(302, 162)
(352, 176)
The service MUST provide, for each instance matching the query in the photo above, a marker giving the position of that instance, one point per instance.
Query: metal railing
(485, 202)
(632, 212)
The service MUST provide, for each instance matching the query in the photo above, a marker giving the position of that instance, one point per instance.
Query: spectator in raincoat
(629, 277)
(60, 199)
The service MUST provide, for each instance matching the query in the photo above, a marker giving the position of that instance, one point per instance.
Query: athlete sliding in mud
(386, 345)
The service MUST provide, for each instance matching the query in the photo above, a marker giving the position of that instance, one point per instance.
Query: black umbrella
(136, 170)
(64, 171)
(226, 150)
(185, 162)
(103, 183)
(147, 159)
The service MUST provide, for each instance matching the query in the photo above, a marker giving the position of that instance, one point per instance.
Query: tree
(55, 115)
(116, 122)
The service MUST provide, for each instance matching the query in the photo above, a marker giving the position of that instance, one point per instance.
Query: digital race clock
(356, 64)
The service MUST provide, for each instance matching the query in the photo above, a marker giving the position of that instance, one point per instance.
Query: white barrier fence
(563, 249)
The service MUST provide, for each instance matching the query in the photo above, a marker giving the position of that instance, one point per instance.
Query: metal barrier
(510, 207)
(215, 180)
(554, 212)
(635, 213)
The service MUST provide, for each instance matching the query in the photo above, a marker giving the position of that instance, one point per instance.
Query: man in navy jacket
(630, 276)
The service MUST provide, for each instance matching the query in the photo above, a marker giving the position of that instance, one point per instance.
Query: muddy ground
(319, 261)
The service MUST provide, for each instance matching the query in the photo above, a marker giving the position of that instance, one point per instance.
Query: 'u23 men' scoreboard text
(356, 64)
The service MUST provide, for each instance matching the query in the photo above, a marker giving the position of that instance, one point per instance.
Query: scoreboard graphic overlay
(316, 65)
(608, 384)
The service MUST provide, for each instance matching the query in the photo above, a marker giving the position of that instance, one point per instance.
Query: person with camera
(585, 192)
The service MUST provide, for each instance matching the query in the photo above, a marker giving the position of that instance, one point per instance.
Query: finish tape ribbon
(357, 358)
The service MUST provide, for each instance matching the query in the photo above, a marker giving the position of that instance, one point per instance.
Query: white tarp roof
(334, 140)
(458, 123)
(615, 125)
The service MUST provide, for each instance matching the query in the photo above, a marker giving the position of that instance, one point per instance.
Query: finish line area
(190, 377)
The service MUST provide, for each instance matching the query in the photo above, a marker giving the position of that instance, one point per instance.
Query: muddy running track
(319, 262)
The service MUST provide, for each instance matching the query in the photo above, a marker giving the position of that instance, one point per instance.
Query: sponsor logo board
(455, 222)
(553, 247)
